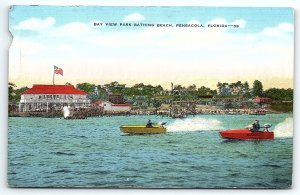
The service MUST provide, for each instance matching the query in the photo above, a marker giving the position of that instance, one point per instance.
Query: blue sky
(257, 18)
(262, 48)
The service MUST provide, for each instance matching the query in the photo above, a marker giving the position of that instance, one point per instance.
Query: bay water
(94, 153)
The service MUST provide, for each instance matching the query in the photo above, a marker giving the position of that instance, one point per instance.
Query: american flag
(58, 70)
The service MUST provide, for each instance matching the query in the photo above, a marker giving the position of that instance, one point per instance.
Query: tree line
(178, 91)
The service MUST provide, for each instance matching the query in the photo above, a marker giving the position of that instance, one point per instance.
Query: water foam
(284, 129)
(194, 124)
(66, 111)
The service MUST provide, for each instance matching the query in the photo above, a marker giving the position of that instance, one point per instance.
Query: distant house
(105, 105)
(121, 107)
(261, 100)
(110, 107)
(47, 97)
(236, 90)
(116, 98)
(228, 99)
(225, 90)
(141, 101)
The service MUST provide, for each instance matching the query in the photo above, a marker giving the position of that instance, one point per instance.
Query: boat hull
(245, 134)
(142, 129)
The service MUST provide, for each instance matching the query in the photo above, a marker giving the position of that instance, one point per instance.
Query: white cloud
(135, 17)
(35, 24)
(286, 27)
(279, 30)
(194, 52)
(73, 29)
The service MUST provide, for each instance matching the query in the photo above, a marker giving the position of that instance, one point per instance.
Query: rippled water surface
(94, 153)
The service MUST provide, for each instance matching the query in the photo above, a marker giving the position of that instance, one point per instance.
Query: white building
(105, 105)
(121, 107)
(110, 107)
(47, 97)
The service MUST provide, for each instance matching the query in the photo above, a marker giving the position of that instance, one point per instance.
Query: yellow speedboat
(142, 129)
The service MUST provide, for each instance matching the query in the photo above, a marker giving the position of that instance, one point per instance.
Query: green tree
(87, 87)
(232, 85)
(178, 92)
(101, 92)
(156, 104)
(192, 87)
(11, 91)
(224, 84)
(214, 92)
(203, 91)
(238, 84)
(257, 89)
(115, 87)
(247, 95)
(179, 87)
(280, 94)
(246, 87)
(14, 95)
(18, 93)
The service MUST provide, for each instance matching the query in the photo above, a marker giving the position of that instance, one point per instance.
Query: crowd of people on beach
(81, 113)
(232, 111)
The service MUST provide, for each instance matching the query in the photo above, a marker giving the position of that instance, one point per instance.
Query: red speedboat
(246, 134)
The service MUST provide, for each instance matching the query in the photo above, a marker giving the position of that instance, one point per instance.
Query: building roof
(54, 89)
(98, 102)
(121, 105)
(261, 99)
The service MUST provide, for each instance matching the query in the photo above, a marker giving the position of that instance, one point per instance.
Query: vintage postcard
(150, 97)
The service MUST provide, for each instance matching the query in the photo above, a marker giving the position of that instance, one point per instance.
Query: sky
(261, 48)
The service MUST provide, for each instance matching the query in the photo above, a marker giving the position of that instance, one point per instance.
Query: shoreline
(163, 111)
(57, 115)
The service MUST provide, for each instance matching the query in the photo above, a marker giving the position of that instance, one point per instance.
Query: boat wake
(194, 124)
(284, 129)
(66, 111)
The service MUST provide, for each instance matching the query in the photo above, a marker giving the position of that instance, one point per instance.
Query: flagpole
(53, 75)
